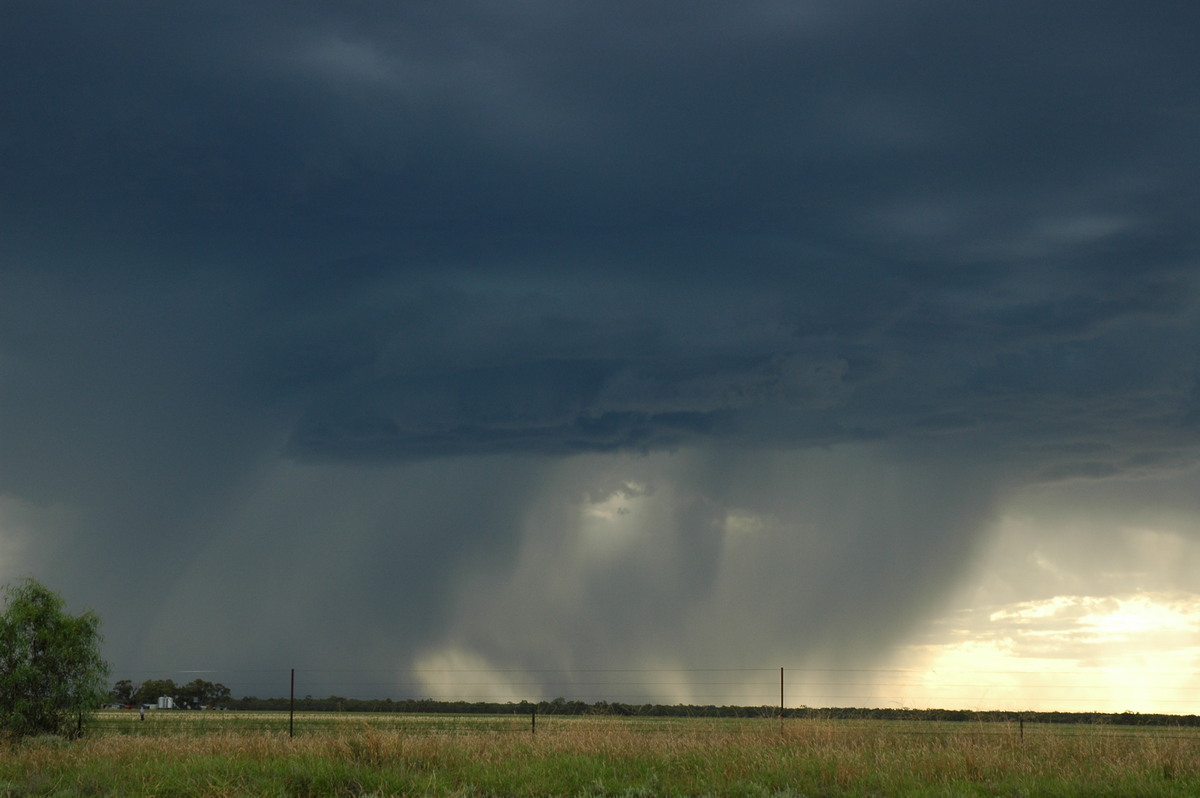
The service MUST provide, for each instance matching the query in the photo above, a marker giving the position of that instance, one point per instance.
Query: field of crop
(228, 754)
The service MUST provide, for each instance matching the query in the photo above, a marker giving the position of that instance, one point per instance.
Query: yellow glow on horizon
(1138, 652)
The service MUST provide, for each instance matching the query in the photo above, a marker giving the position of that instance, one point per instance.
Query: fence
(457, 700)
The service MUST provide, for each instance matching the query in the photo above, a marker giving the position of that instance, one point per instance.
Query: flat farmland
(359, 754)
(179, 722)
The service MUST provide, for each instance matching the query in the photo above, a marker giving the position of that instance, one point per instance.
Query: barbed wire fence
(452, 699)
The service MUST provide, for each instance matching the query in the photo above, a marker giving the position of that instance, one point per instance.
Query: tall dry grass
(602, 757)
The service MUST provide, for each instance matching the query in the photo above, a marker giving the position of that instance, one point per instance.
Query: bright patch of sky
(1129, 642)
(1137, 652)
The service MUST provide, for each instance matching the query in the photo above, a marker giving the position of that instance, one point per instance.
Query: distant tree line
(557, 706)
(195, 694)
(200, 693)
(561, 706)
(997, 716)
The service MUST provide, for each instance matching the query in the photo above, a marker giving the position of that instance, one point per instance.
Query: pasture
(228, 754)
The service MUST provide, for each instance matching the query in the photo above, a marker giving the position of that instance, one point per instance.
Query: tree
(202, 693)
(52, 676)
(151, 689)
(123, 692)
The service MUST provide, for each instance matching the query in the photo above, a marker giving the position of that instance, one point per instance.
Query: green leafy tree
(151, 689)
(52, 676)
(202, 693)
(123, 692)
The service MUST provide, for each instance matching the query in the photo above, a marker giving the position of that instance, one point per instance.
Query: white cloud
(1136, 652)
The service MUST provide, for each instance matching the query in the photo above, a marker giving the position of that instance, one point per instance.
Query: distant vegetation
(201, 693)
(196, 694)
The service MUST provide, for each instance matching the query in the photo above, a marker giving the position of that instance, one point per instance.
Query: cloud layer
(354, 321)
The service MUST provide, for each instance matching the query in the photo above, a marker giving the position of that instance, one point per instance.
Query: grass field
(228, 754)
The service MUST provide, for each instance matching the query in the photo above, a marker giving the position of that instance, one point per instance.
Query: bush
(52, 676)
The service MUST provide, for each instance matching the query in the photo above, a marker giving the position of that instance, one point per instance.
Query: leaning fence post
(533, 720)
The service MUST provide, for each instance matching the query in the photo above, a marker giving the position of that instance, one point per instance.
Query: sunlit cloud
(1136, 652)
(1083, 599)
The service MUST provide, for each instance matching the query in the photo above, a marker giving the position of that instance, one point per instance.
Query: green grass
(228, 754)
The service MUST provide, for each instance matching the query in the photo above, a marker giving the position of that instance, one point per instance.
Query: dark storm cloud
(435, 134)
(241, 239)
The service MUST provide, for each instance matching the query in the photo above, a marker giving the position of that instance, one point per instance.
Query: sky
(610, 350)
